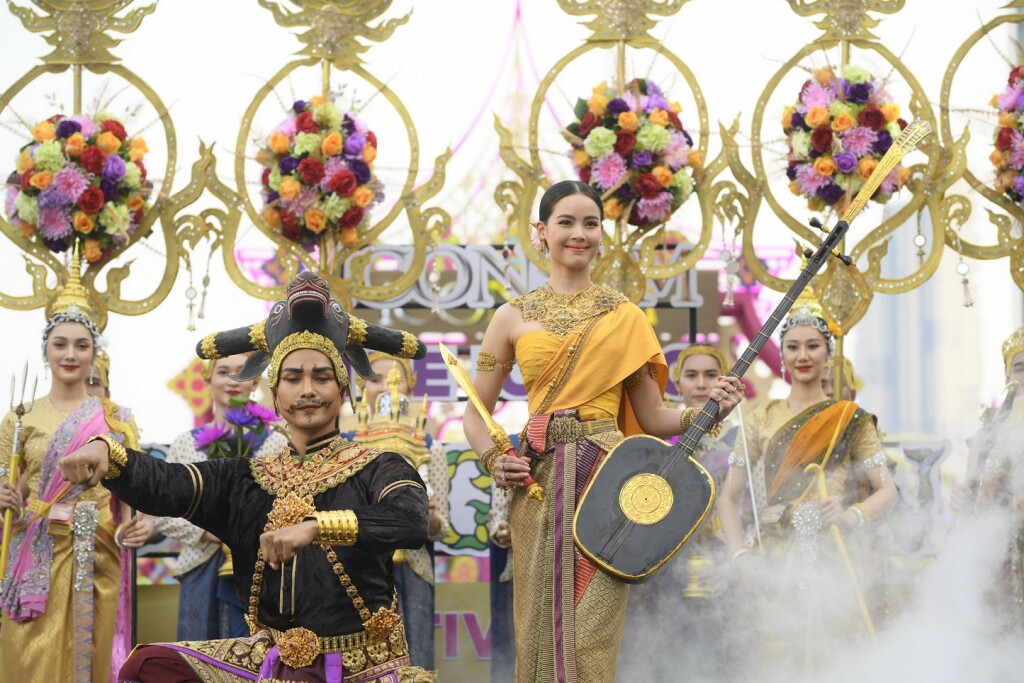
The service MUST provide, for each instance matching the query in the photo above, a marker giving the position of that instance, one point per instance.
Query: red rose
(311, 170)
(137, 216)
(114, 127)
(26, 180)
(648, 186)
(1003, 139)
(91, 201)
(590, 122)
(342, 183)
(92, 159)
(871, 117)
(821, 138)
(305, 123)
(265, 178)
(352, 217)
(585, 174)
(674, 120)
(371, 138)
(1016, 74)
(902, 123)
(625, 140)
(290, 224)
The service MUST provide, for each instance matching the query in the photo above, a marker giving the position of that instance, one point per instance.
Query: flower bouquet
(632, 148)
(81, 178)
(245, 427)
(318, 174)
(837, 132)
(1008, 155)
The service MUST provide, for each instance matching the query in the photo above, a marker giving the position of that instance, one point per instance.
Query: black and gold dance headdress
(309, 318)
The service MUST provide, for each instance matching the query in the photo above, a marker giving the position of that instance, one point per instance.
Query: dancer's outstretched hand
(87, 465)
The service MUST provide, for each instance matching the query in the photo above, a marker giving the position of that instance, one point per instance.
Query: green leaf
(581, 108)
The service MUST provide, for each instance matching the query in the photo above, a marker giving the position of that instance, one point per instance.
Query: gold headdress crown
(306, 340)
(807, 310)
(698, 350)
(391, 426)
(72, 304)
(410, 375)
(1013, 345)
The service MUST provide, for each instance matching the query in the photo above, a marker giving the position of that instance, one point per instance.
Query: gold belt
(349, 641)
(564, 429)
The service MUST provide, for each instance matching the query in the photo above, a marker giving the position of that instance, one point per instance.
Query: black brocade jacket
(383, 490)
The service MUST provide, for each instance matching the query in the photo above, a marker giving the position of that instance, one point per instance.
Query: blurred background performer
(808, 605)
(66, 599)
(209, 605)
(385, 421)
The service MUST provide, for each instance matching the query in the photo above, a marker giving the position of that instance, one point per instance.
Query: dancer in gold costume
(66, 610)
(594, 371)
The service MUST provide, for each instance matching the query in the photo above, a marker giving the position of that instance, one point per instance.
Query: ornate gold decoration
(290, 510)
(299, 647)
(117, 459)
(336, 527)
(391, 426)
(356, 331)
(698, 350)
(485, 362)
(410, 345)
(305, 340)
(278, 475)
(258, 336)
(1013, 345)
(846, 19)
(209, 347)
(383, 621)
(645, 499)
(331, 43)
(630, 253)
(561, 314)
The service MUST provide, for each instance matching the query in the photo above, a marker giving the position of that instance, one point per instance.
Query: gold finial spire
(74, 294)
(394, 377)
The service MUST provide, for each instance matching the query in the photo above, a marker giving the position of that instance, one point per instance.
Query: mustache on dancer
(305, 403)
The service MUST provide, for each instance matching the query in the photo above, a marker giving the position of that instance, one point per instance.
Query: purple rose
(617, 105)
(114, 168)
(66, 128)
(348, 125)
(643, 159)
(272, 197)
(626, 192)
(883, 142)
(813, 154)
(57, 245)
(299, 106)
(109, 188)
(791, 170)
(831, 193)
(655, 100)
(846, 162)
(858, 93)
(360, 170)
(287, 165)
(1018, 185)
(797, 120)
(354, 145)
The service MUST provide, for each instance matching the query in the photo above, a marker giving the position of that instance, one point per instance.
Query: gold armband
(488, 457)
(118, 457)
(336, 527)
(485, 362)
(689, 415)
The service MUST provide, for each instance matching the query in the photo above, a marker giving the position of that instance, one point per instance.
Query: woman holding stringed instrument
(594, 371)
(798, 450)
(65, 601)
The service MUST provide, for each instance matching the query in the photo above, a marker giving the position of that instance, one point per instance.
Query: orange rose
(675, 108)
(824, 166)
(369, 153)
(891, 111)
(997, 158)
(865, 167)
(137, 149)
(278, 142)
(598, 105)
(25, 163)
(349, 236)
(316, 100)
(1008, 120)
(44, 131)
(787, 116)
(272, 217)
(74, 145)
(316, 221)
(794, 187)
(108, 142)
(289, 188)
(612, 208)
(843, 122)
(27, 229)
(332, 144)
(658, 117)
(41, 180)
(994, 102)
(662, 175)
(83, 223)
(693, 159)
(362, 197)
(823, 76)
(580, 158)
(91, 250)
(817, 116)
(628, 120)
(135, 202)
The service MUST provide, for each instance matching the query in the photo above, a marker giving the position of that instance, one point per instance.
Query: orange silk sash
(811, 441)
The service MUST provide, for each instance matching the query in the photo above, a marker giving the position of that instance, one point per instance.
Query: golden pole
(620, 66)
(15, 463)
(77, 71)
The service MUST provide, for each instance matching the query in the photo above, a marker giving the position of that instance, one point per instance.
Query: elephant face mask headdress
(309, 318)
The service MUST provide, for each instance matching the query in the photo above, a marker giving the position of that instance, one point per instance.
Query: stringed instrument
(647, 497)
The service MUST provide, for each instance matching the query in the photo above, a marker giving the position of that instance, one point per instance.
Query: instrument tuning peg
(815, 223)
(843, 257)
(808, 252)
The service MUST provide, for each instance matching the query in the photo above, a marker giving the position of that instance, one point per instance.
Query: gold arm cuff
(118, 456)
(485, 362)
(336, 527)
(209, 347)
(488, 457)
(507, 366)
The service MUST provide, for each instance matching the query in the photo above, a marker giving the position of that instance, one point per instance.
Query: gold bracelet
(117, 458)
(336, 527)
(689, 415)
(488, 457)
(485, 362)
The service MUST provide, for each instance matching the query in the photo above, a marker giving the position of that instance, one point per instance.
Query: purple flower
(883, 142)
(287, 165)
(354, 145)
(70, 183)
(114, 168)
(845, 162)
(207, 434)
(360, 170)
(626, 192)
(109, 188)
(272, 197)
(299, 106)
(656, 101)
(12, 192)
(263, 413)
(689, 140)
(1018, 185)
(791, 170)
(809, 180)
(66, 128)
(831, 193)
(88, 128)
(56, 245)
(797, 120)
(858, 93)
(348, 124)
(655, 210)
(858, 140)
(888, 186)
(51, 198)
(53, 223)
(816, 95)
(617, 105)
(643, 159)
(241, 417)
(608, 170)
